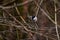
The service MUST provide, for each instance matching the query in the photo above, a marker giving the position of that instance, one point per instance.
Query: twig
(17, 34)
(56, 21)
(4, 16)
(37, 10)
(38, 7)
(46, 38)
(7, 7)
(8, 3)
(56, 26)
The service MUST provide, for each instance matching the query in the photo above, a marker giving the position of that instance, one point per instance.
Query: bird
(33, 18)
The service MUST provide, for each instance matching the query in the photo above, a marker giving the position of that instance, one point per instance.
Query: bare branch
(7, 7)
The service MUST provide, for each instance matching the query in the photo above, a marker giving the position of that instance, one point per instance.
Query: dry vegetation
(14, 24)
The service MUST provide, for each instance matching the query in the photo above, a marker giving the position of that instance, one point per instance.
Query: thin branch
(17, 34)
(38, 7)
(7, 7)
(8, 3)
(47, 38)
(56, 21)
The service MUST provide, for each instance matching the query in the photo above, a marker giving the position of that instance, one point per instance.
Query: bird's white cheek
(35, 19)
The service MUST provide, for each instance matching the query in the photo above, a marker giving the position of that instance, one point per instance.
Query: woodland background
(14, 24)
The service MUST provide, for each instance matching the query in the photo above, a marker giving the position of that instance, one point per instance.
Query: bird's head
(34, 18)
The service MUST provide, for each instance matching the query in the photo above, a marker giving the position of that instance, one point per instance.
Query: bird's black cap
(33, 17)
